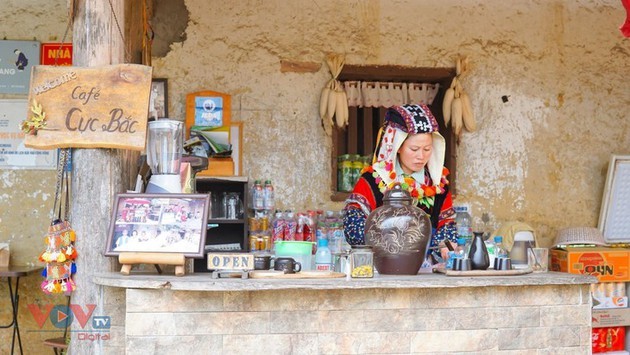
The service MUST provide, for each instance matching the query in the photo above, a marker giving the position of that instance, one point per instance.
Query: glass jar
(362, 261)
(357, 166)
(347, 174)
(340, 159)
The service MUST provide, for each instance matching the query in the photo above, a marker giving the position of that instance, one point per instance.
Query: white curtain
(386, 94)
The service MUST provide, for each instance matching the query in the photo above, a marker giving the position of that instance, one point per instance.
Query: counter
(387, 314)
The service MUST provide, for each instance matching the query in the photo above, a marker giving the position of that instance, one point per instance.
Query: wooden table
(10, 273)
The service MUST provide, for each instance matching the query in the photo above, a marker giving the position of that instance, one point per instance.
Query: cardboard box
(607, 264)
(610, 302)
(608, 339)
(613, 317)
(218, 167)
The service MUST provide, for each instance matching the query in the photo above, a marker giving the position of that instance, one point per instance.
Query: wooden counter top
(204, 282)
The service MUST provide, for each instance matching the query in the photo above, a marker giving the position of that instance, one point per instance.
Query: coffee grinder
(164, 156)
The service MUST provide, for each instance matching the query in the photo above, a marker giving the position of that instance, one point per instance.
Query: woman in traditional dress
(410, 152)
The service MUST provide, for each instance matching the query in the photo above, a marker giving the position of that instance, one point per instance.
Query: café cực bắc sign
(91, 107)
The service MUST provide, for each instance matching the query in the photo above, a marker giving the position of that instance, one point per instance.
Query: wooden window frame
(343, 142)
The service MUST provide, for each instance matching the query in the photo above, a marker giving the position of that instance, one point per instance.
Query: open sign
(230, 261)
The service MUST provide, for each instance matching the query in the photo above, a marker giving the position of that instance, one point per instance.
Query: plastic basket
(580, 235)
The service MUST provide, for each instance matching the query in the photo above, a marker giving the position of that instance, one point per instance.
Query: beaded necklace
(420, 193)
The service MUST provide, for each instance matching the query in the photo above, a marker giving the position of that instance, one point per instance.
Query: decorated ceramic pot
(398, 233)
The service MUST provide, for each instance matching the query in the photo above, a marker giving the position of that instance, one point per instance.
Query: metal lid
(397, 195)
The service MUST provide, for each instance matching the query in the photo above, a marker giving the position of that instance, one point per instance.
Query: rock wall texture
(540, 158)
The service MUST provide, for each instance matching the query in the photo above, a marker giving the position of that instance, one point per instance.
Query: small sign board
(56, 54)
(95, 107)
(13, 154)
(16, 60)
(230, 261)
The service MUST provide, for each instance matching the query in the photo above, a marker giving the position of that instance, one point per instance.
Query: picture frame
(158, 223)
(158, 101)
(236, 139)
(207, 109)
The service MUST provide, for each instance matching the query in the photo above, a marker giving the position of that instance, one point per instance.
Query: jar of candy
(367, 160)
(347, 174)
(340, 159)
(362, 261)
(357, 166)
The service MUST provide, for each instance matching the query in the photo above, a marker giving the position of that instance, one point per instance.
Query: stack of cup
(502, 263)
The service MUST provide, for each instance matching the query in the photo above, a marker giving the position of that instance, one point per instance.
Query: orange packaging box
(607, 264)
(608, 339)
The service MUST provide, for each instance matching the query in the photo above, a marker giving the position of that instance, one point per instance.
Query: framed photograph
(158, 223)
(158, 101)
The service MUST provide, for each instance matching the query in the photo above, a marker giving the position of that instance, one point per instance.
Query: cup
(288, 265)
(262, 262)
(460, 264)
(503, 264)
(538, 259)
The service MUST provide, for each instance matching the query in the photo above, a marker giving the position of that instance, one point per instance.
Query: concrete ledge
(204, 282)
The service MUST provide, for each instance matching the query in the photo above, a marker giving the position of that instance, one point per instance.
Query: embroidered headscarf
(400, 122)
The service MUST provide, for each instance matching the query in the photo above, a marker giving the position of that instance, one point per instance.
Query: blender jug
(164, 155)
(233, 206)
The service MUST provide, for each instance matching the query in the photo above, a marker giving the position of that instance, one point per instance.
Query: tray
(489, 272)
(273, 274)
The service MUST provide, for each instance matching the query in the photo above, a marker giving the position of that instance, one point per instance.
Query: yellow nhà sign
(99, 107)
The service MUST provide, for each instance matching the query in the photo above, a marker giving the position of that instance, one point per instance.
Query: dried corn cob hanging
(333, 101)
(456, 106)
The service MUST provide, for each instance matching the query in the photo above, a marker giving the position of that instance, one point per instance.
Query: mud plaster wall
(539, 158)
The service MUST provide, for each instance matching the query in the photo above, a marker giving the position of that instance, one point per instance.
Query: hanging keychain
(60, 252)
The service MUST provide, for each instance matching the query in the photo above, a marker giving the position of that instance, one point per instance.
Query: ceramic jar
(398, 233)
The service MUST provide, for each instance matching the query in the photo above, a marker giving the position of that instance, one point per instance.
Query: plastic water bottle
(499, 249)
(464, 222)
(323, 257)
(491, 248)
(269, 201)
(258, 196)
(461, 250)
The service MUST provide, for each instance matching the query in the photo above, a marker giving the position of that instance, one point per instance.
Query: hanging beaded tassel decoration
(60, 254)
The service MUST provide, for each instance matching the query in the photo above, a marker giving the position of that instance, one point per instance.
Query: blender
(164, 156)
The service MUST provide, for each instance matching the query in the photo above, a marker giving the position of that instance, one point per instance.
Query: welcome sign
(99, 107)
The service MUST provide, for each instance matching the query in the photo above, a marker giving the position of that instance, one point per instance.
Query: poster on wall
(208, 111)
(13, 153)
(56, 54)
(16, 60)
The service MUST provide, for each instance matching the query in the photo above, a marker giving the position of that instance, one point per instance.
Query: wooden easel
(129, 259)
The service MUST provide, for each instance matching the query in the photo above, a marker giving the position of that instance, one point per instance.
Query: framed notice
(13, 153)
(207, 110)
(159, 223)
(16, 60)
(614, 215)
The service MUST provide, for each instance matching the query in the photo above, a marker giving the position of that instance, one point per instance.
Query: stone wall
(490, 320)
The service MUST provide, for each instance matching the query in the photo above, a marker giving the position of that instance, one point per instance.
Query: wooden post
(97, 174)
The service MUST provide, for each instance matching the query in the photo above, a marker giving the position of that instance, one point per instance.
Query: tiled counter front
(530, 314)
